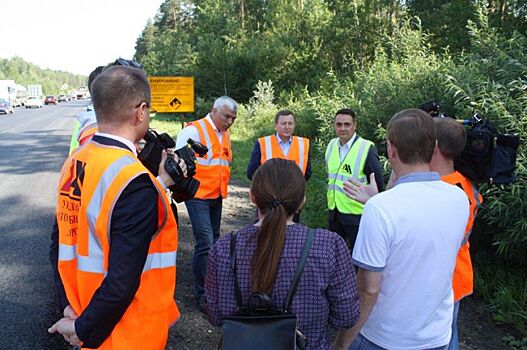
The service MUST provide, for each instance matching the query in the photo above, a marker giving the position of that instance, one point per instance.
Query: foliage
(376, 57)
(52, 81)
(231, 45)
(492, 81)
(256, 118)
(447, 20)
(515, 344)
(505, 288)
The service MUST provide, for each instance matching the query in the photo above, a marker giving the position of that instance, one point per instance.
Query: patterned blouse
(327, 292)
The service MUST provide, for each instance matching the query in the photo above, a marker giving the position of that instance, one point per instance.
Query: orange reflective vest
(213, 170)
(92, 180)
(463, 280)
(298, 152)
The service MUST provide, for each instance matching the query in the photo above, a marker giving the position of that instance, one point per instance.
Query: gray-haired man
(213, 172)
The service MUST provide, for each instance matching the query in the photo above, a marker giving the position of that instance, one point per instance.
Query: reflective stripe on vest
(92, 264)
(298, 151)
(210, 162)
(330, 149)
(345, 178)
(352, 167)
(208, 142)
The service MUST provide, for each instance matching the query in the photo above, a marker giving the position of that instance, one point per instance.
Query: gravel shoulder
(193, 331)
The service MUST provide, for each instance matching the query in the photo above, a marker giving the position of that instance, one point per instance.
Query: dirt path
(193, 331)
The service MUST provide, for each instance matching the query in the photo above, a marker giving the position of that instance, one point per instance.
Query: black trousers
(346, 225)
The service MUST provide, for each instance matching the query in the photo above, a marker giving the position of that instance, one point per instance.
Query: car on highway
(33, 101)
(63, 98)
(51, 99)
(5, 106)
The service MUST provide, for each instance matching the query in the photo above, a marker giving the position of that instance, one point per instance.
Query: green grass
(170, 126)
(241, 151)
(315, 211)
(504, 287)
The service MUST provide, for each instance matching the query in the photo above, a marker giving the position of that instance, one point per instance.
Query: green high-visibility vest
(74, 142)
(339, 172)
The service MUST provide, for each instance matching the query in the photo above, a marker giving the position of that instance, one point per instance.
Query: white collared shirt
(284, 145)
(127, 142)
(191, 132)
(344, 149)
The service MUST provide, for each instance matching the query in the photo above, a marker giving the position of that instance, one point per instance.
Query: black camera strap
(294, 284)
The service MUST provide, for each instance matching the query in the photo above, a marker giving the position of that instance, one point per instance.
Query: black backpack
(259, 324)
(488, 157)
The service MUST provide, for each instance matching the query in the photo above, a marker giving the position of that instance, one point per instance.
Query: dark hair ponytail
(278, 189)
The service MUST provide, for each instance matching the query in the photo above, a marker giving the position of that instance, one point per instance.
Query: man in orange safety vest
(213, 172)
(282, 145)
(117, 238)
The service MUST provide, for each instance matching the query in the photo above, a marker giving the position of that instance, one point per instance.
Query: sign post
(172, 94)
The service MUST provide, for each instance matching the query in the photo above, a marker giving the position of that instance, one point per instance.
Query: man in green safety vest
(349, 156)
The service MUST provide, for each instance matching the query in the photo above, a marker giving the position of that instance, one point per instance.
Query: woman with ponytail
(267, 254)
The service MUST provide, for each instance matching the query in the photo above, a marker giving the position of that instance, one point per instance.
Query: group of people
(387, 274)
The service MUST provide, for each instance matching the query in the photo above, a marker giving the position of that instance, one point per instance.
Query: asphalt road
(33, 146)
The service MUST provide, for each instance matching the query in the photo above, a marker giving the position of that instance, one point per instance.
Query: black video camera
(488, 156)
(433, 108)
(184, 188)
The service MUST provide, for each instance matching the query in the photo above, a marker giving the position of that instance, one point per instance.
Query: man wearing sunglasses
(117, 237)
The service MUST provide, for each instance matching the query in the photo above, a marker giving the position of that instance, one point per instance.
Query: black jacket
(133, 224)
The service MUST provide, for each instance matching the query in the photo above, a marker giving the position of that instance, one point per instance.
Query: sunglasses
(129, 63)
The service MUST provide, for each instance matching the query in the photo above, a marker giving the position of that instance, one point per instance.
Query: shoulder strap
(300, 267)
(237, 291)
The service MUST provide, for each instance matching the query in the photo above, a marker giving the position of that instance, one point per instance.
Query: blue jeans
(361, 343)
(454, 341)
(205, 217)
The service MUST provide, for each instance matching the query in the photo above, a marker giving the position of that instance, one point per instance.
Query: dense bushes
(316, 56)
(491, 79)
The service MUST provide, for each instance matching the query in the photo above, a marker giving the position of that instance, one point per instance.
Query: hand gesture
(359, 191)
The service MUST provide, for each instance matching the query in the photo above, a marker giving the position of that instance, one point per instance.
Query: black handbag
(260, 325)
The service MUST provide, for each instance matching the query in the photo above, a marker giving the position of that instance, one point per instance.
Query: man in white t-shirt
(407, 246)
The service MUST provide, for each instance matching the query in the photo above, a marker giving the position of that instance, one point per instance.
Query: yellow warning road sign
(172, 94)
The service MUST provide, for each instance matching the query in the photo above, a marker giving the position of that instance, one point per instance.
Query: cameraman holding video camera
(213, 172)
(114, 250)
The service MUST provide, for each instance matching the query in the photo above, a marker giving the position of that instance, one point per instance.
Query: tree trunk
(242, 14)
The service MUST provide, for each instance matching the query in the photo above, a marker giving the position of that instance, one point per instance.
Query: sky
(72, 35)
